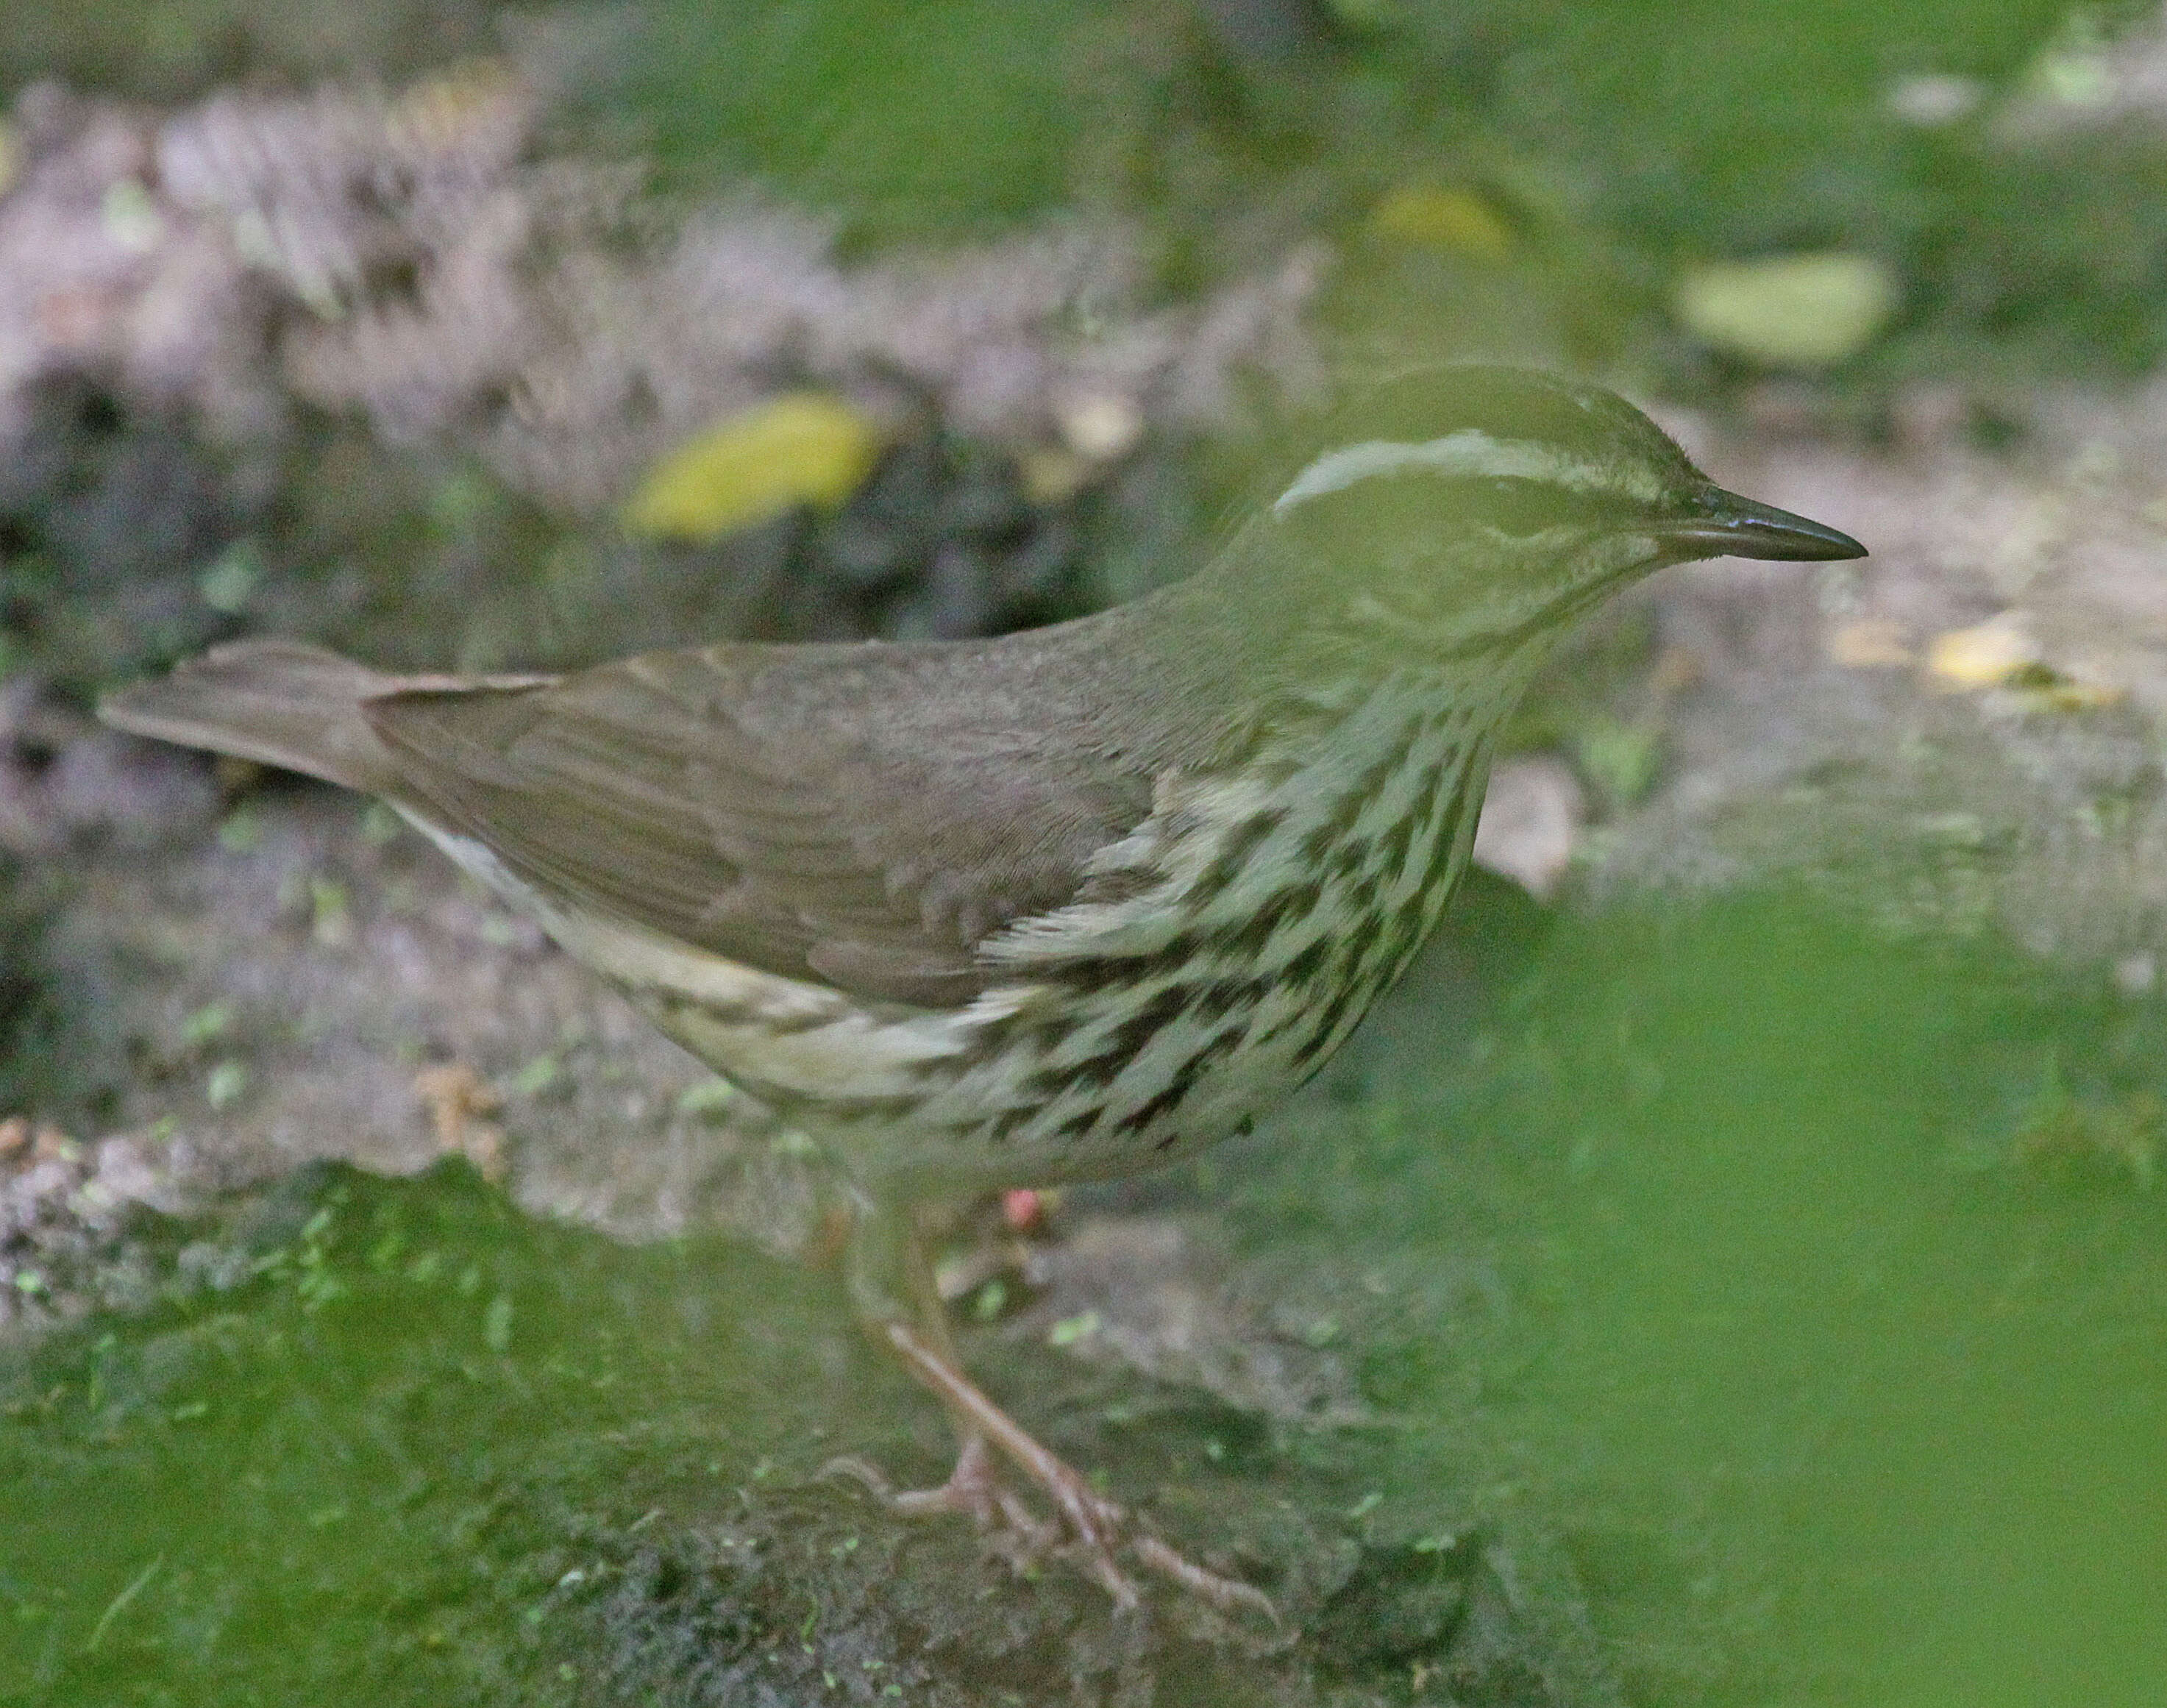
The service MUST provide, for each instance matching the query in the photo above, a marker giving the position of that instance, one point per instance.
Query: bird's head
(1477, 509)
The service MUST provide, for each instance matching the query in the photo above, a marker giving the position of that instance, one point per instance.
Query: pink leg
(1096, 1525)
(887, 1249)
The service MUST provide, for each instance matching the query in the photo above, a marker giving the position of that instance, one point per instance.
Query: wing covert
(720, 799)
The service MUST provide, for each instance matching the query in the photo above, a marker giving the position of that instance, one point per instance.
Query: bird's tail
(278, 702)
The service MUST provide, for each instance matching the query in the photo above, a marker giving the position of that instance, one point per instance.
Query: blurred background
(1734, 1272)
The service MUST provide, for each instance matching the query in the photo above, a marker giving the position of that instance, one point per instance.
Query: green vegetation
(1650, 137)
(1718, 1249)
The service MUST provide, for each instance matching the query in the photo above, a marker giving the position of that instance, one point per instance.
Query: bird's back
(858, 816)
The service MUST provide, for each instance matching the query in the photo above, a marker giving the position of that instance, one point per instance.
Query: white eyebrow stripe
(1470, 451)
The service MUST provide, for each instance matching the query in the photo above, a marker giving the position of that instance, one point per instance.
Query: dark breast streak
(1309, 907)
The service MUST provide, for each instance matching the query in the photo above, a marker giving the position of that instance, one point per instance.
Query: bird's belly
(1124, 1033)
(1117, 1090)
(1040, 1082)
(1109, 1064)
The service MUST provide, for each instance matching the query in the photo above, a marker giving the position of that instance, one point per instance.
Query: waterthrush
(1058, 906)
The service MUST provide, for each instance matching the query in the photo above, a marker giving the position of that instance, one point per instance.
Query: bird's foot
(1094, 1528)
(974, 1490)
(1090, 1529)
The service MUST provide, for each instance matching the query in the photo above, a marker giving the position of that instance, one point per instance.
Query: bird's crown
(1484, 504)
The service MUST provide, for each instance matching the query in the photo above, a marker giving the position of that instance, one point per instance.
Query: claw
(1227, 1595)
(973, 1487)
(1095, 1527)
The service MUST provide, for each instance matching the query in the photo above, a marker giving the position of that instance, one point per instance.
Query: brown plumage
(861, 815)
(1054, 906)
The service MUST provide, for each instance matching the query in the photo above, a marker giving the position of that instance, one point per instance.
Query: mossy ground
(1718, 1339)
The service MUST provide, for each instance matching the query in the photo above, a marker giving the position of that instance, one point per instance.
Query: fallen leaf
(2001, 653)
(1985, 655)
(445, 111)
(458, 1098)
(802, 448)
(1441, 218)
(1789, 310)
(1100, 425)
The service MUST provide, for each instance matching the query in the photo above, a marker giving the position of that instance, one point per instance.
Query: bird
(1064, 904)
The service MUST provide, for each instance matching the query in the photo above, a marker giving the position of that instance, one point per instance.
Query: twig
(113, 1608)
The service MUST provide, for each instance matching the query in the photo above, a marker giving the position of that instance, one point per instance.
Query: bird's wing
(809, 811)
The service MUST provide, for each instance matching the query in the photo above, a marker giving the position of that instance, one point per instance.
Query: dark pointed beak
(1722, 524)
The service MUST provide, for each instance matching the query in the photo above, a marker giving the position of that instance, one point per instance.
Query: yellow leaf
(1439, 219)
(2001, 653)
(1789, 310)
(1985, 655)
(802, 448)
